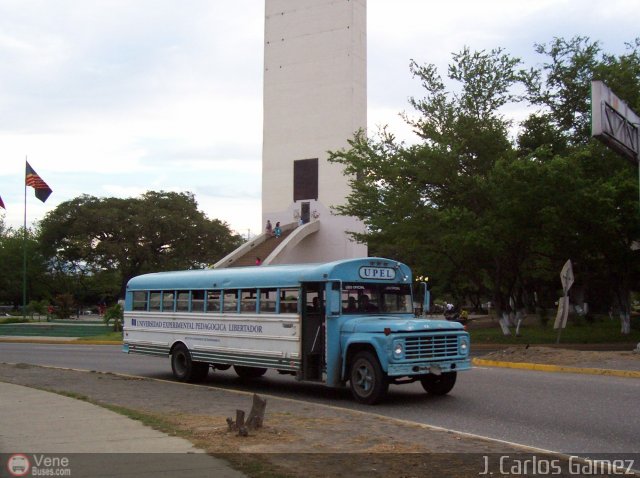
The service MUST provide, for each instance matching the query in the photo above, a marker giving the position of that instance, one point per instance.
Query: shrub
(115, 313)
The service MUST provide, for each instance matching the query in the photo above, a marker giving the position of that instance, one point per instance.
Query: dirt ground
(302, 439)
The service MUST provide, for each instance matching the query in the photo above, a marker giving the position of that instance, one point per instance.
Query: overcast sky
(117, 97)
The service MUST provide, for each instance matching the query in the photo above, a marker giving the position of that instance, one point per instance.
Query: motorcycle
(455, 316)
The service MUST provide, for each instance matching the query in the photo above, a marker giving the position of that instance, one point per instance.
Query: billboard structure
(614, 123)
(617, 126)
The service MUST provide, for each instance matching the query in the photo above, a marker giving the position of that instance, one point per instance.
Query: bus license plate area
(423, 368)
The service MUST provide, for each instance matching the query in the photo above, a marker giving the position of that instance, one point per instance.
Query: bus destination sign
(384, 273)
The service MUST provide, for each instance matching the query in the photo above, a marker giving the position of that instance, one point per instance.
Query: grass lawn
(112, 336)
(82, 330)
(13, 320)
(602, 330)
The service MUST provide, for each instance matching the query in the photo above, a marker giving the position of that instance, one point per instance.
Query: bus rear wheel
(439, 384)
(367, 380)
(184, 368)
(249, 372)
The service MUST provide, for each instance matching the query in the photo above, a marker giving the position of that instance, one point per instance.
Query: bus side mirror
(334, 298)
(335, 305)
(426, 298)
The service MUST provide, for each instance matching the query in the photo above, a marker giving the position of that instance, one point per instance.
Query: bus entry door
(313, 331)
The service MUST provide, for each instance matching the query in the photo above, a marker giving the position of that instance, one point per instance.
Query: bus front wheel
(249, 372)
(439, 384)
(367, 380)
(184, 368)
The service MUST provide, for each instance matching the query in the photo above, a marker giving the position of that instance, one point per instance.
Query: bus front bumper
(424, 368)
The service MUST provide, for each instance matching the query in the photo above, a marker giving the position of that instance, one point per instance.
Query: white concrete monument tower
(314, 100)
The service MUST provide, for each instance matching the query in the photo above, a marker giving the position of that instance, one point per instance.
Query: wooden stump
(255, 419)
(256, 416)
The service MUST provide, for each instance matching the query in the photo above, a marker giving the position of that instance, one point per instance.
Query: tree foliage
(12, 252)
(492, 210)
(158, 231)
(115, 313)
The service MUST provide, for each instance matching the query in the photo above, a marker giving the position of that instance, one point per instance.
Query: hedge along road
(55, 329)
(568, 413)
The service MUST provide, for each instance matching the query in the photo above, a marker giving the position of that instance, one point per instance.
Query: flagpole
(24, 249)
(43, 191)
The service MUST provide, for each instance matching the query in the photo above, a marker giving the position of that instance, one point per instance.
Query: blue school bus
(349, 321)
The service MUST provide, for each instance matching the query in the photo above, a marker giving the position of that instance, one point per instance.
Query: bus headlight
(464, 346)
(398, 350)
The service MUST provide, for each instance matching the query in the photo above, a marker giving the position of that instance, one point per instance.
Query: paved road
(569, 413)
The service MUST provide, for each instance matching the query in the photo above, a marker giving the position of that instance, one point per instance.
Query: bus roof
(349, 270)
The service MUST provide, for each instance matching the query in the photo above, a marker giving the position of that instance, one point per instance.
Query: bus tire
(221, 366)
(184, 368)
(367, 380)
(249, 372)
(439, 384)
(200, 372)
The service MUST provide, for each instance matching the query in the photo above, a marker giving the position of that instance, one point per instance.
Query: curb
(556, 368)
(605, 347)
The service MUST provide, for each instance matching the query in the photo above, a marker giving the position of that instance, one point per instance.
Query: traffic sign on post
(562, 315)
(567, 279)
(566, 276)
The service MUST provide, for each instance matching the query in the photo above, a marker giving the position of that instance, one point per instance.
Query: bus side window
(197, 301)
(248, 301)
(230, 301)
(154, 300)
(289, 301)
(182, 301)
(213, 301)
(140, 300)
(349, 302)
(313, 301)
(168, 300)
(268, 300)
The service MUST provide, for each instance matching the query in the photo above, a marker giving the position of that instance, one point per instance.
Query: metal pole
(638, 160)
(24, 249)
(561, 320)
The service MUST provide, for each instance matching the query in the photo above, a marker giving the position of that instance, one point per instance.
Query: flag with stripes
(41, 188)
(2, 204)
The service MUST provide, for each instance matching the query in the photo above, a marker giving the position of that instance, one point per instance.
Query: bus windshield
(359, 298)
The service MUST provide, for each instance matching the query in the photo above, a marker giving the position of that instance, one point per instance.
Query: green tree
(12, 248)
(115, 313)
(486, 215)
(157, 231)
(64, 306)
(434, 204)
(37, 307)
(599, 210)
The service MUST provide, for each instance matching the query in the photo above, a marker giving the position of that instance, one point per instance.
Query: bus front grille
(431, 347)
